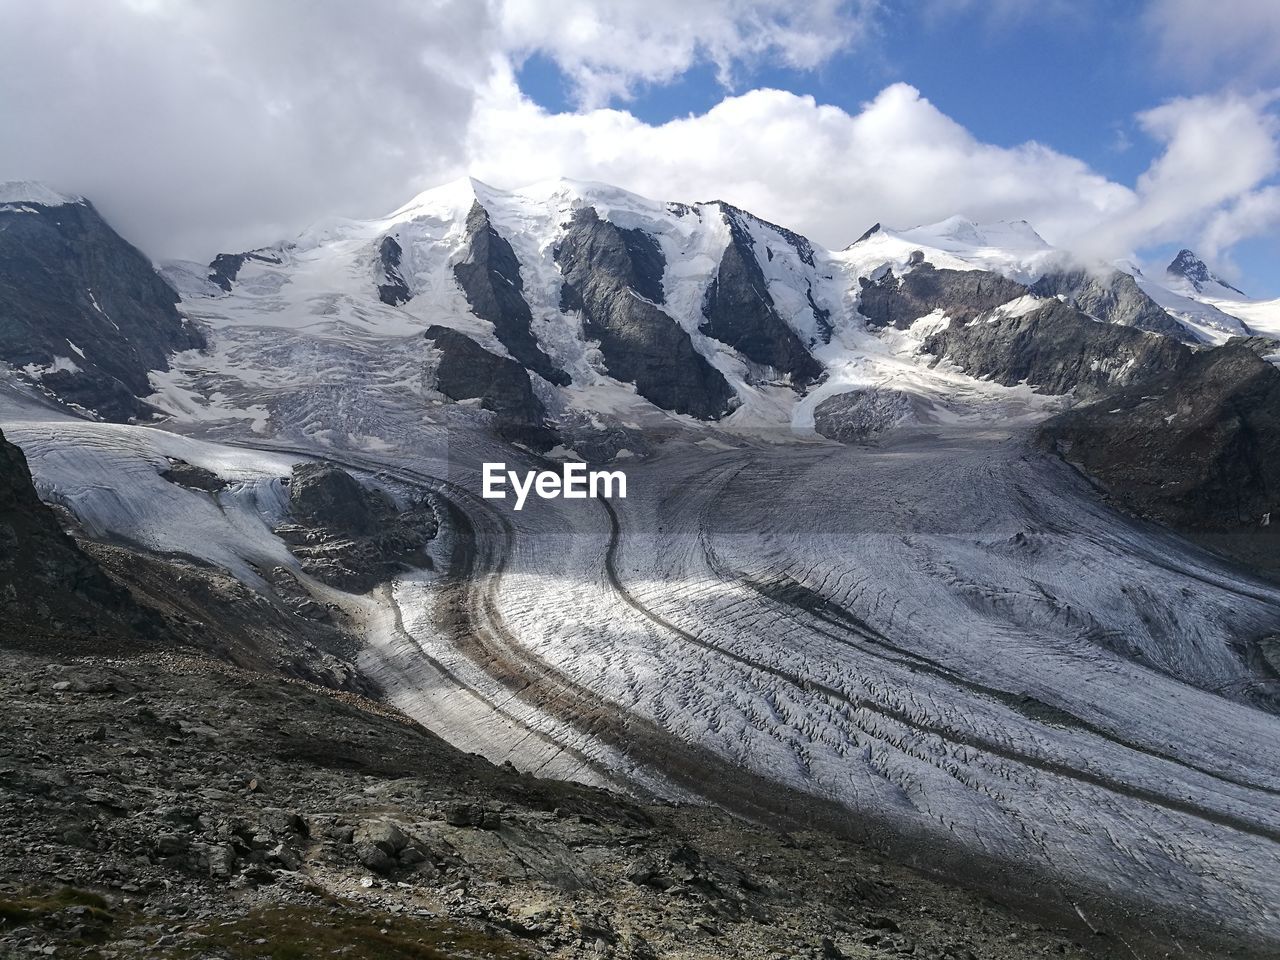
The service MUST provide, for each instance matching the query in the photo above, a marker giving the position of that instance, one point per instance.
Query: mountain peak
(32, 191)
(960, 232)
(1187, 266)
(454, 194)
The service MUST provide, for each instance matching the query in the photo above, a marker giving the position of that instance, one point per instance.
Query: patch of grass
(300, 933)
(19, 911)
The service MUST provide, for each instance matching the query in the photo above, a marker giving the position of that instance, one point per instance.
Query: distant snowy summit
(33, 192)
(1187, 267)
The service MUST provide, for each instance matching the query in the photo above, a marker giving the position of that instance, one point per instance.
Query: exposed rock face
(52, 596)
(193, 477)
(801, 244)
(1057, 349)
(351, 537)
(1198, 448)
(468, 371)
(321, 495)
(226, 266)
(740, 312)
(490, 277)
(1188, 266)
(857, 416)
(59, 596)
(645, 264)
(870, 232)
(1114, 298)
(393, 291)
(1263, 346)
(609, 274)
(892, 301)
(82, 310)
(281, 630)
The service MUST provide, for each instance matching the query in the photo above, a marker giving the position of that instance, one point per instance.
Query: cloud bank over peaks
(900, 160)
(201, 129)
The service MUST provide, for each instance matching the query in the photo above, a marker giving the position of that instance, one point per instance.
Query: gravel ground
(172, 807)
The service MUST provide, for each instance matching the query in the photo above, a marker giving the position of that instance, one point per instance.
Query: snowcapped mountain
(586, 311)
(1189, 278)
(1186, 269)
(580, 311)
(608, 302)
(32, 194)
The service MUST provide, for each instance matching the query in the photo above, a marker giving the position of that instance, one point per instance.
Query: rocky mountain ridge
(82, 312)
(1187, 266)
(699, 310)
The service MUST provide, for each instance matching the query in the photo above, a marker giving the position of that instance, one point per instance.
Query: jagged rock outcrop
(393, 290)
(52, 596)
(740, 311)
(1112, 297)
(349, 536)
(226, 267)
(611, 275)
(81, 310)
(193, 477)
(1057, 349)
(1198, 448)
(467, 371)
(892, 301)
(857, 416)
(871, 231)
(1187, 266)
(489, 275)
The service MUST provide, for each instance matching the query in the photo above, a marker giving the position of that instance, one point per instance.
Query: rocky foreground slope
(178, 808)
(50, 591)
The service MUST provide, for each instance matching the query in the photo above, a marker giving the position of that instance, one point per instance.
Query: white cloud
(607, 48)
(194, 126)
(789, 159)
(1240, 37)
(900, 160)
(199, 128)
(1217, 153)
(1253, 214)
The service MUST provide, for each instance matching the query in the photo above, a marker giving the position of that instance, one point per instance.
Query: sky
(1118, 128)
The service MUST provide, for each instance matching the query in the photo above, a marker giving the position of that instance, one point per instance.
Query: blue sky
(1073, 79)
